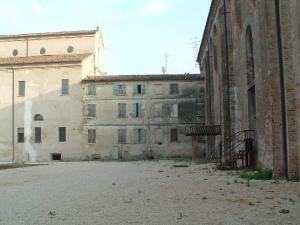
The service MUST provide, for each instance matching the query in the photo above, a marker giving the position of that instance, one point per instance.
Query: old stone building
(141, 116)
(56, 103)
(250, 56)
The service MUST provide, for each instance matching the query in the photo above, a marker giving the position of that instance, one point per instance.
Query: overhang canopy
(202, 130)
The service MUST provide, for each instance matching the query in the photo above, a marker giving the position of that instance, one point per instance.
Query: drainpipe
(282, 88)
(13, 114)
(227, 71)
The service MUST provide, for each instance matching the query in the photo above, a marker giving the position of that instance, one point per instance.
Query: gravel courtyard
(139, 193)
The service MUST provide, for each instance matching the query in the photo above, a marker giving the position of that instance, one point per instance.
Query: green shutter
(135, 87)
(143, 136)
(143, 89)
(116, 89)
(124, 89)
(135, 136)
(140, 109)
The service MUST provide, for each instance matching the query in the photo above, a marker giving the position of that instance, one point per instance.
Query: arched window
(249, 56)
(38, 117)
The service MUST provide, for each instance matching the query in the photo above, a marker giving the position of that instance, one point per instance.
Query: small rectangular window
(122, 110)
(21, 88)
(91, 89)
(65, 86)
(62, 134)
(38, 135)
(91, 136)
(91, 110)
(139, 89)
(122, 136)
(20, 135)
(173, 89)
(174, 134)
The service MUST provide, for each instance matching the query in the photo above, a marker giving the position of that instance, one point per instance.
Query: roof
(45, 59)
(212, 12)
(212, 130)
(145, 77)
(60, 33)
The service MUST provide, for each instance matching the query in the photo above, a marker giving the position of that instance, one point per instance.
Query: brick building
(250, 55)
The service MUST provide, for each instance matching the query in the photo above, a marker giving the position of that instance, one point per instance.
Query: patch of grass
(261, 174)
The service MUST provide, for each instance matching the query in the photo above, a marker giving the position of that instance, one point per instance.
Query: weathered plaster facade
(157, 115)
(241, 57)
(44, 103)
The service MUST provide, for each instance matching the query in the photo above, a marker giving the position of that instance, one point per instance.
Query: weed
(261, 174)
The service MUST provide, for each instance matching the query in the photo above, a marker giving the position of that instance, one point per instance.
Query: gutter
(13, 114)
(282, 88)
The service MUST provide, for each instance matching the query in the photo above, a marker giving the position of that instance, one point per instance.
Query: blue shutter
(135, 86)
(143, 136)
(124, 89)
(135, 136)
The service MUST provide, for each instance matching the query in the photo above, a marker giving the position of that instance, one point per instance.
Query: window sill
(91, 143)
(91, 117)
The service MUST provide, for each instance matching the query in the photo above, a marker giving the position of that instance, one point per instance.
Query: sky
(137, 34)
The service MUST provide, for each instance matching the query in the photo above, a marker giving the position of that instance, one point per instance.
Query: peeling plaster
(28, 131)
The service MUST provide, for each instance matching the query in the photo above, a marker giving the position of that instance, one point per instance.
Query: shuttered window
(20, 135)
(174, 134)
(91, 89)
(137, 110)
(122, 110)
(122, 136)
(62, 134)
(139, 89)
(65, 86)
(21, 88)
(119, 89)
(38, 134)
(158, 110)
(173, 88)
(91, 110)
(139, 136)
(174, 110)
(91, 136)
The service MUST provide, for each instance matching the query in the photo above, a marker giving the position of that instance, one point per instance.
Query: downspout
(13, 114)
(282, 88)
(227, 71)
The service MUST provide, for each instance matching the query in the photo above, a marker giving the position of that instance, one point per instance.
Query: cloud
(151, 8)
(9, 12)
(36, 8)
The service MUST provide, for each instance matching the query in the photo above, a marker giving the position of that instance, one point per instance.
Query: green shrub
(261, 174)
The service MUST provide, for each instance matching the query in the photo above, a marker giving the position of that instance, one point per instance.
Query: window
(174, 110)
(137, 110)
(158, 136)
(174, 134)
(62, 134)
(21, 88)
(139, 136)
(20, 135)
(65, 86)
(139, 89)
(38, 117)
(38, 134)
(70, 49)
(15, 52)
(158, 110)
(122, 110)
(122, 136)
(91, 89)
(91, 110)
(119, 89)
(173, 89)
(42, 51)
(91, 136)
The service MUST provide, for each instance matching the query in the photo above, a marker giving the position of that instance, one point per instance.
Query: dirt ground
(139, 193)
